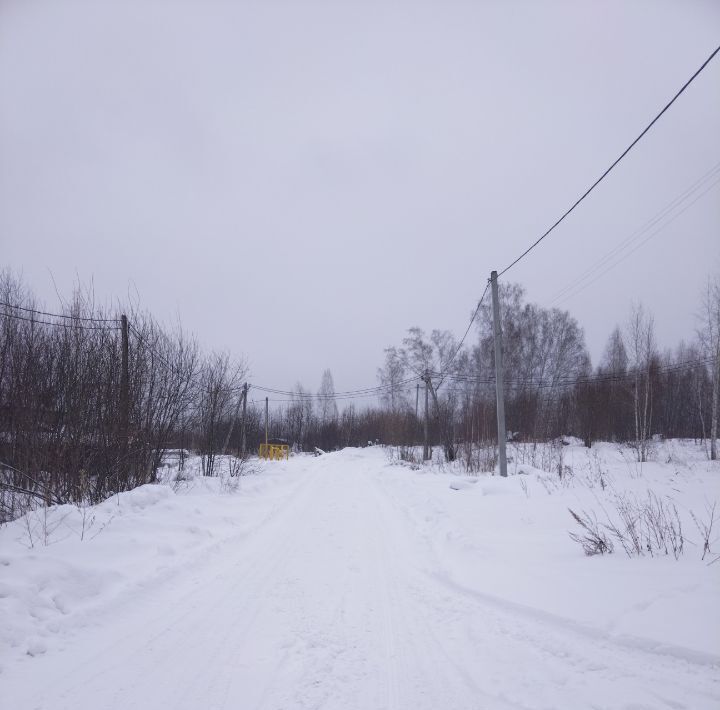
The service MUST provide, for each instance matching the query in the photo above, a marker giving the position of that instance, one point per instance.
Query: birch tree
(710, 339)
(432, 359)
(641, 338)
(391, 376)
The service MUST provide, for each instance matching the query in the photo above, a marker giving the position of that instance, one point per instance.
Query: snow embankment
(63, 568)
(506, 541)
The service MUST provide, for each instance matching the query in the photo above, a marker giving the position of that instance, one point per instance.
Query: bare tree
(327, 408)
(542, 348)
(327, 412)
(709, 334)
(218, 393)
(432, 359)
(641, 338)
(391, 376)
(299, 416)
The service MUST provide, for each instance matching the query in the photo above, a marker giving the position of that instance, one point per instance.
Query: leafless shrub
(664, 527)
(549, 483)
(642, 527)
(478, 457)
(218, 404)
(406, 456)
(229, 484)
(523, 485)
(409, 455)
(241, 466)
(40, 526)
(597, 475)
(593, 539)
(705, 528)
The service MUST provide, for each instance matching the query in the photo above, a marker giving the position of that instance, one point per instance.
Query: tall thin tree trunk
(714, 424)
(646, 418)
(636, 403)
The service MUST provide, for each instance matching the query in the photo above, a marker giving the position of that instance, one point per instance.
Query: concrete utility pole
(244, 414)
(499, 389)
(124, 385)
(426, 446)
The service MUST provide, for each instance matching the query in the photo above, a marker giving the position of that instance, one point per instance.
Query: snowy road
(336, 602)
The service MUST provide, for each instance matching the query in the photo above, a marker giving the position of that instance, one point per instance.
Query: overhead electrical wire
(582, 379)
(616, 255)
(163, 360)
(293, 396)
(288, 396)
(612, 166)
(444, 368)
(290, 400)
(59, 315)
(72, 325)
(349, 394)
(601, 377)
(143, 340)
(384, 389)
(561, 383)
(713, 173)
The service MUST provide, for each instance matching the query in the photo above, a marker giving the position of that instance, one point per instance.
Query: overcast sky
(301, 182)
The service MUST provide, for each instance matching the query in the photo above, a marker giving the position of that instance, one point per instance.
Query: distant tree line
(67, 434)
(635, 393)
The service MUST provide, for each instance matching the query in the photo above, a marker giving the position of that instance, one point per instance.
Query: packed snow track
(335, 601)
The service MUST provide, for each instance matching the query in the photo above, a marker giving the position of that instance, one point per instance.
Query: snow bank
(62, 568)
(507, 540)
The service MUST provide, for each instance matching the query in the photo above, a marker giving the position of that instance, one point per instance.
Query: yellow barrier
(274, 452)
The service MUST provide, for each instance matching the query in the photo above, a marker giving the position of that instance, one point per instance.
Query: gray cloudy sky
(302, 181)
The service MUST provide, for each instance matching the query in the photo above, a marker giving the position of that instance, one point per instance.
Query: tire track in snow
(502, 635)
(185, 640)
(338, 602)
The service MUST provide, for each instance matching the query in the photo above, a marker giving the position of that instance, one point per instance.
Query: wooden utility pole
(499, 389)
(417, 398)
(266, 423)
(124, 385)
(426, 446)
(244, 420)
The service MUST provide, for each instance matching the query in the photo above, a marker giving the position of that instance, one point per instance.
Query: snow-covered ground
(353, 581)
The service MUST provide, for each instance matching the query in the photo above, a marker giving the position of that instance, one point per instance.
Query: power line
(349, 394)
(72, 325)
(560, 383)
(168, 365)
(583, 379)
(616, 256)
(192, 377)
(612, 166)
(143, 340)
(343, 398)
(322, 396)
(59, 315)
(444, 368)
